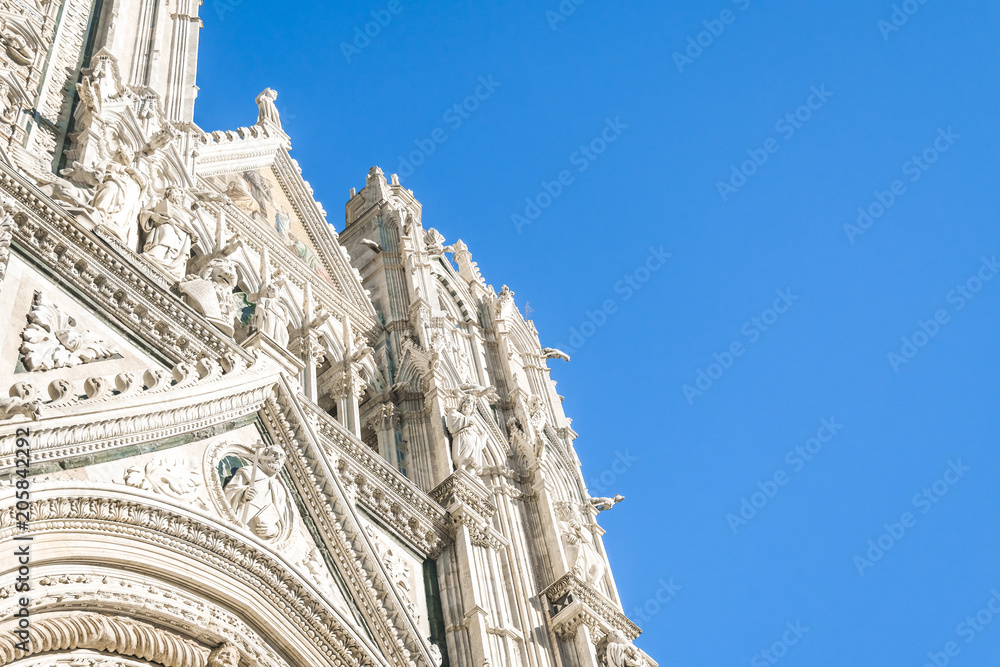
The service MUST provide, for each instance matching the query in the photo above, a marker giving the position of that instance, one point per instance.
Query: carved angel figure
(257, 496)
(211, 293)
(467, 438)
(23, 400)
(170, 233)
(53, 339)
(271, 317)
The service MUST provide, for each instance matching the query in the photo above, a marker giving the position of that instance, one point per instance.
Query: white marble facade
(256, 441)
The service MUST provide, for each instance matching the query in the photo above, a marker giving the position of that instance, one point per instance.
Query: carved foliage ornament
(53, 339)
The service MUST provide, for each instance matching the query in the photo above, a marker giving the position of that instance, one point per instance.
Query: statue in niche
(467, 437)
(271, 316)
(226, 655)
(256, 495)
(584, 561)
(211, 293)
(170, 233)
(16, 45)
(117, 201)
(9, 106)
(267, 111)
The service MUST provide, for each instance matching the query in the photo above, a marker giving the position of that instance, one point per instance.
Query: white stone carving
(6, 235)
(118, 198)
(257, 496)
(175, 478)
(24, 400)
(603, 504)
(271, 316)
(211, 293)
(170, 233)
(467, 437)
(584, 561)
(267, 111)
(53, 339)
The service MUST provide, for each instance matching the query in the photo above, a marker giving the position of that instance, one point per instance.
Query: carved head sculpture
(125, 155)
(226, 655)
(175, 195)
(270, 291)
(272, 459)
(467, 406)
(221, 271)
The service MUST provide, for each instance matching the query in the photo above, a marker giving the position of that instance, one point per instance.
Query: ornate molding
(381, 489)
(216, 548)
(573, 603)
(114, 634)
(78, 258)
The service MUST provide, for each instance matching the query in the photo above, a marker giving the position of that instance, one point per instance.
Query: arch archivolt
(122, 554)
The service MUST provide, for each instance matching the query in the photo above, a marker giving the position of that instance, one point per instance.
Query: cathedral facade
(230, 435)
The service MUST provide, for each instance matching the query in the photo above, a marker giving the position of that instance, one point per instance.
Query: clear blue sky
(880, 96)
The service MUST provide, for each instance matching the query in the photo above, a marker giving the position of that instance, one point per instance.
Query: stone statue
(211, 293)
(119, 195)
(602, 504)
(8, 105)
(16, 46)
(271, 317)
(584, 561)
(170, 233)
(226, 655)
(267, 111)
(257, 496)
(621, 653)
(467, 437)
